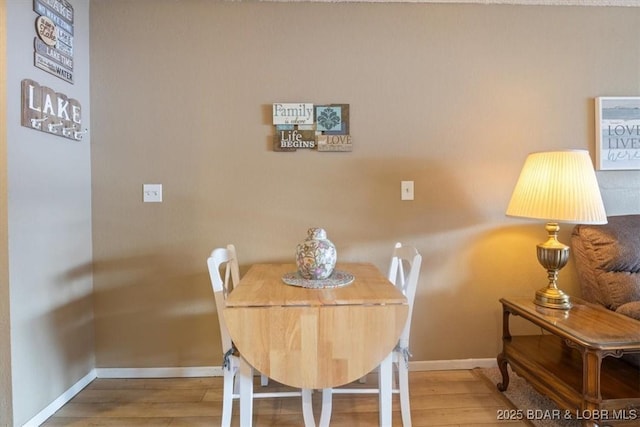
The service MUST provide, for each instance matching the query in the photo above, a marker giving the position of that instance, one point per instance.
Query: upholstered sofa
(607, 259)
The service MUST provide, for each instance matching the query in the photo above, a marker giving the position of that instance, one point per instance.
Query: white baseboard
(216, 371)
(177, 372)
(51, 409)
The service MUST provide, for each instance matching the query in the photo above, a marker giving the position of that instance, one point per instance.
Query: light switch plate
(406, 188)
(152, 193)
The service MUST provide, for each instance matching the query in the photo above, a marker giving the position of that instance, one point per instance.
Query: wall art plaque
(53, 46)
(52, 112)
(301, 125)
(617, 133)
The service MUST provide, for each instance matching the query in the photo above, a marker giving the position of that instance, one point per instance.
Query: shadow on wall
(150, 311)
(68, 333)
(65, 331)
(157, 310)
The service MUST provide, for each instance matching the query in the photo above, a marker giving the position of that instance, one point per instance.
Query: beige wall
(452, 97)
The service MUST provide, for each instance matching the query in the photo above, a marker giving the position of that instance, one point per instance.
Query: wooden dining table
(312, 338)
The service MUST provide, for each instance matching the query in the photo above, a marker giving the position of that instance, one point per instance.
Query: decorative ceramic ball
(316, 256)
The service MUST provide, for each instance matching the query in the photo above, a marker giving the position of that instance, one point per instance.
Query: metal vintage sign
(52, 112)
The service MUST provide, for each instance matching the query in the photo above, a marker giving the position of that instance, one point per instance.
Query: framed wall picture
(618, 133)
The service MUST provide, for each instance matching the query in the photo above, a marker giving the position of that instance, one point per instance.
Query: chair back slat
(223, 258)
(404, 272)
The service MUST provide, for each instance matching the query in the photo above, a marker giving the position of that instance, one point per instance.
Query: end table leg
(502, 359)
(502, 364)
(591, 396)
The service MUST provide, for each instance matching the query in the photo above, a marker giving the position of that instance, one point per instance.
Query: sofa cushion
(608, 260)
(631, 309)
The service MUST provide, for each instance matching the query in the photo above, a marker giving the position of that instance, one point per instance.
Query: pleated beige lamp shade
(558, 186)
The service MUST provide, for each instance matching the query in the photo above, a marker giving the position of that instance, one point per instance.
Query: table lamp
(557, 186)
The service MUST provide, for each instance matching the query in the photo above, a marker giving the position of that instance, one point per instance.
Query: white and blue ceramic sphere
(316, 256)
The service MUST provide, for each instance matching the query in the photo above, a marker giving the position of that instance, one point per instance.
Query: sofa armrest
(607, 260)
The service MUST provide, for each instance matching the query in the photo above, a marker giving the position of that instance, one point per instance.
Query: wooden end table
(570, 362)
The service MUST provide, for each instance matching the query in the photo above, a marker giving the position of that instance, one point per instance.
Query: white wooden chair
(404, 272)
(233, 362)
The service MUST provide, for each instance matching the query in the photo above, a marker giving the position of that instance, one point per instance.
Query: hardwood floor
(438, 398)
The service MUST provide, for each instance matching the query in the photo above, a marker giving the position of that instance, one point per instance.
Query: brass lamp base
(552, 255)
(552, 298)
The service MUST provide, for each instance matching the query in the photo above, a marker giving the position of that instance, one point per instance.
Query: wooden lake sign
(48, 111)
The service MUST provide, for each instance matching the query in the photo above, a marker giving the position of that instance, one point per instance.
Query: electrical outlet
(406, 188)
(152, 193)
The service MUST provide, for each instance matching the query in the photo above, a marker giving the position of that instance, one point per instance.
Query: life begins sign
(48, 111)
